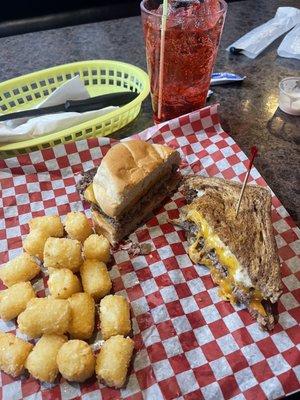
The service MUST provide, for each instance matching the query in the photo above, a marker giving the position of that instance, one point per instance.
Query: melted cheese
(212, 241)
(89, 194)
(257, 306)
(226, 258)
(193, 252)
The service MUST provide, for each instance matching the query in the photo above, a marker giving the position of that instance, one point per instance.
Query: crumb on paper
(136, 249)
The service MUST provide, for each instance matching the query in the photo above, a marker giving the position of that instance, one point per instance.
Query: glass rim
(150, 12)
(282, 82)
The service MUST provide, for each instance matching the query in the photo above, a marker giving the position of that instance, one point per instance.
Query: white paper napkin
(255, 41)
(290, 46)
(28, 128)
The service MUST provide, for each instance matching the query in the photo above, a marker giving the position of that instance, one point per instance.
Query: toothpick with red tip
(254, 152)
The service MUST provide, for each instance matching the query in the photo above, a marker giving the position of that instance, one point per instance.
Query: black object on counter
(234, 50)
(94, 103)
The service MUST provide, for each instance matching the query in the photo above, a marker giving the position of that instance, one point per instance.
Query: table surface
(249, 111)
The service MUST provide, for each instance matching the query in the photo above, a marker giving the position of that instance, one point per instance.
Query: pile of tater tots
(75, 259)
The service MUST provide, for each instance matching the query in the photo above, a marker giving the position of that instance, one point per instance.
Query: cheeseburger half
(132, 180)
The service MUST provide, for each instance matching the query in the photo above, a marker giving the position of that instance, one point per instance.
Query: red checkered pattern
(189, 344)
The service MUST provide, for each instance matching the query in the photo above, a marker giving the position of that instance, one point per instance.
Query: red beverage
(192, 36)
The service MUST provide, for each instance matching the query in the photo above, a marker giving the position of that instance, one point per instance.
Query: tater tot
(14, 300)
(96, 247)
(63, 283)
(95, 278)
(50, 224)
(82, 316)
(62, 253)
(41, 362)
(13, 354)
(19, 269)
(113, 361)
(76, 361)
(50, 270)
(77, 226)
(114, 316)
(45, 316)
(34, 243)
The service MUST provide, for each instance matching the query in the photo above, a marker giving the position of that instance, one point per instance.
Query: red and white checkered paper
(189, 343)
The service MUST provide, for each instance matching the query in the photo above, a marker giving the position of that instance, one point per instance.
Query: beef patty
(163, 187)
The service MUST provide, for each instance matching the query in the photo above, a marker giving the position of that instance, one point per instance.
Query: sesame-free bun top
(128, 171)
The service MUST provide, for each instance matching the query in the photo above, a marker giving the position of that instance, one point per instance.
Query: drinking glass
(180, 76)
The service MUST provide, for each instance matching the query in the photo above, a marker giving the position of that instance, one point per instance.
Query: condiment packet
(290, 46)
(255, 41)
(220, 78)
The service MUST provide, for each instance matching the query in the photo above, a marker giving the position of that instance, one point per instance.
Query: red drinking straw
(254, 152)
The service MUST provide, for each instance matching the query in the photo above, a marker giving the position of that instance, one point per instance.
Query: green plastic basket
(99, 77)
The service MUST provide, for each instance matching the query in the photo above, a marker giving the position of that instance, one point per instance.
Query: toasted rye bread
(249, 236)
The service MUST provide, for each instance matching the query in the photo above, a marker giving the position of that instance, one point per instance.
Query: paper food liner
(189, 344)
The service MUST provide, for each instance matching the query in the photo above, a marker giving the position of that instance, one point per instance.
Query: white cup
(289, 95)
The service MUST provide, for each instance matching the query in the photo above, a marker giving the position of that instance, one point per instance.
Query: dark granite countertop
(249, 111)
